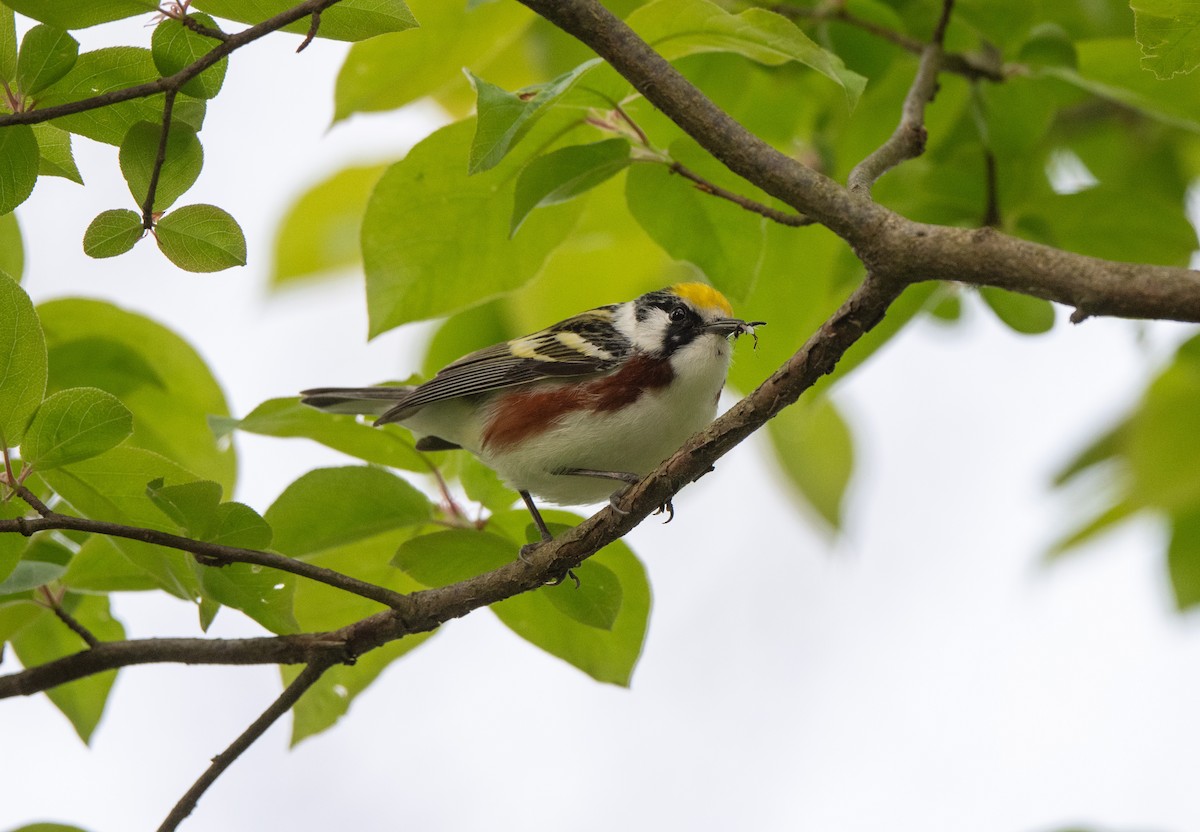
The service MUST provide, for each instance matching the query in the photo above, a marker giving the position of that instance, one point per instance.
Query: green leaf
(392, 70)
(46, 639)
(677, 28)
(57, 158)
(349, 20)
(1022, 313)
(30, 574)
(1049, 44)
(334, 506)
(49, 827)
(47, 54)
(22, 362)
(154, 372)
(12, 249)
(321, 230)
(388, 445)
(596, 602)
(201, 238)
(112, 487)
(81, 15)
(112, 232)
(75, 424)
(100, 567)
(1164, 438)
(566, 173)
(174, 47)
(11, 545)
(435, 240)
(815, 448)
(8, 44)
(607, 655)
(18, 165)
(447, 557)
(1169, 33)
(723, 240)
(504, 118)
(266, 595)
(1183, 559)
(98, 72)
(181, 167)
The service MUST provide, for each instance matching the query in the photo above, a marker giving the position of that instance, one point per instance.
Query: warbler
(601, 397)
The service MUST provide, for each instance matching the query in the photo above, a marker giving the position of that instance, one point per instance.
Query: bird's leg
(528, 548)
(620, 476)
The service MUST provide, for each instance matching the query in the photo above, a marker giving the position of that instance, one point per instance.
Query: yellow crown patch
(703, 296)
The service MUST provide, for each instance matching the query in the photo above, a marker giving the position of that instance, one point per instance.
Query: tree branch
(230, 44)
(702, 184)
(908, 139)
(210, 554)
(291, 694)
(160, 159)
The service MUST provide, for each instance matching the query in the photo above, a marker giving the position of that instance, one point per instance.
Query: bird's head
(684, 319)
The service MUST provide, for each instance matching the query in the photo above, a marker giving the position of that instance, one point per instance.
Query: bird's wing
(581, 345)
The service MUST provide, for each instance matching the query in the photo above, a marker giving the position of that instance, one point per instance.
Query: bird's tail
(374, 401)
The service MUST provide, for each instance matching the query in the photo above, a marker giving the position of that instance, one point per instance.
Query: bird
(579, 410)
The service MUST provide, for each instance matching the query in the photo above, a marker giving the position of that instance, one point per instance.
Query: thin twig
(908, 139)
(991, 210)
(208, 553)
(160, 159)
(702, 184)
(54, 602)
(176, 81)
(199, 28)
(307, 678)
(313, 26)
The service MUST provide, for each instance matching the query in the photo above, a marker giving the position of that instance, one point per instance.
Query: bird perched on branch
(600, 398)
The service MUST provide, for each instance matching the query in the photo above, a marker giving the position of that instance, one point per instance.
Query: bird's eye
(678, 314)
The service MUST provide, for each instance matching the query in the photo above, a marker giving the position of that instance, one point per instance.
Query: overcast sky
(925, 671)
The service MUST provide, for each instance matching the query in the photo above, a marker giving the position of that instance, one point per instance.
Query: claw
(669, 509)
(612, 501)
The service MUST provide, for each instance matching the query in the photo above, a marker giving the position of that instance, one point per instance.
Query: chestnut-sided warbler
(603, 396)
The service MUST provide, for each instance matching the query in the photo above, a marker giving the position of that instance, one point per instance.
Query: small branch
(200, 29)
(159, 160)
(291, 694)
(781, 217)
(991, 210)
(172, 82)
(908, 139)
(208, 553)
(54, 602)
(313, 26)
(958, 63)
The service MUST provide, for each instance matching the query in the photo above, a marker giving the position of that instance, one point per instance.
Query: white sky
(926, 672)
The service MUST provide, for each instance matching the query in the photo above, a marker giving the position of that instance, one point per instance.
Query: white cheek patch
(647, 335)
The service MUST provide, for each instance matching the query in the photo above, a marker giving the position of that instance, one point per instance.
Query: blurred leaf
(48, 827)
(676, 28)
(47, 638)
(605, 655)
(154, 372)
(1002, 23)
(174, 46)
(816, 450)
(23, 373)
(393, 70)
(1022, 313)
(1164, 438)
(565, 173)
(18, 165)
(464, 332)
(1095, 526)
(47, 54)
(335, 506)
(321, 230)
(348, 20)
(447, 557)
(1183, 559)
(1169, 33)
(30, 574)
(73, 425)
(57, 159)
(80, 15)
(483, 485)
(98, 72)
(201, 238)
(1108, 445)
(504, 118)
(184, 159)
(100, 567)
(11, 545)
(1049, 44)
(435, 240)
(385, 445)
(112, 232)
(12, 249)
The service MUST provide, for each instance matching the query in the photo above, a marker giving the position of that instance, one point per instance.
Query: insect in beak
(734, 327)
